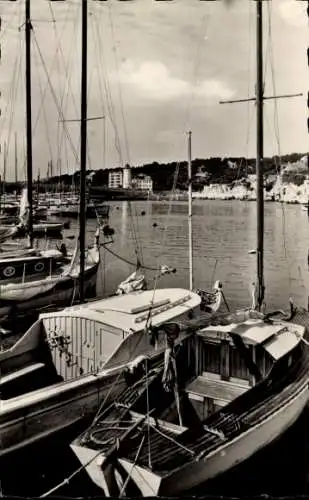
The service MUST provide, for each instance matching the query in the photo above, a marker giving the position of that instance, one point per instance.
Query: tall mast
(16, 163)
(190, 211)
(259, 100)
(83, 150)
(4, 168)
(259, 154)
(28, 28)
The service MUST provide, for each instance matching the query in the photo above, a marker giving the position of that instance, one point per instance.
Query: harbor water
(224, 237)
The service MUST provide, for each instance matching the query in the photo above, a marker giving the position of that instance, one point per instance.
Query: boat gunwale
(301, 384)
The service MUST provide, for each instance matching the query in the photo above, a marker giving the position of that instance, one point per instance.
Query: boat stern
(92, 461)
(116, 477)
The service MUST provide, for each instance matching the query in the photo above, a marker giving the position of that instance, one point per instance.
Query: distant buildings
(122, 178)
(143, 182)
(127, 177)
(115, 178)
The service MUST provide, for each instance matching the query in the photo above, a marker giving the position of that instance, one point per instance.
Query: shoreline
(197, 196)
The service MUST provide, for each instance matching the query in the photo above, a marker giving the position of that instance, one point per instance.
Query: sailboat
(73, 280)
(38, 228)
(211, 300)
(229, 389)
(19, 264)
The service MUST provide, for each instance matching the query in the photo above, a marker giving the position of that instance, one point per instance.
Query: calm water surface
(223, 233)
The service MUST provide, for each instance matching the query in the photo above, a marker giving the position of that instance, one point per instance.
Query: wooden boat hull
(64, 291)
(221, 460)
(42, 229)
(16, 269)
(52, 410)
(217, 423)
(239, 449)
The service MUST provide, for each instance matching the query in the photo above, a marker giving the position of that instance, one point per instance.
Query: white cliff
(276, 188)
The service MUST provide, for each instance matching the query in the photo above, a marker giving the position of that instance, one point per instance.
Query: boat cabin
(81, 340)
(230, 359)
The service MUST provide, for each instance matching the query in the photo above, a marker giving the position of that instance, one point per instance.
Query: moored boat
(226, 392)
(62, 368)
(60, 287)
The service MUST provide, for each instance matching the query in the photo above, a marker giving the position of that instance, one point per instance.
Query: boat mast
(190, 211)
(83, 151)
(260, 154)
(5, 154)
(259, 100)
(28, 28)
(16, 164)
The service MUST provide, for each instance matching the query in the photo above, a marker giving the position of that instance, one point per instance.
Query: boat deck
(167, 454)
(169, 448)
(163, 446)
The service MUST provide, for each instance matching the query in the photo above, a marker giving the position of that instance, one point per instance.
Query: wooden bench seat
(223, 390)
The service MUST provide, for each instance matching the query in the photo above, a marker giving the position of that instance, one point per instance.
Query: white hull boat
(69, 361)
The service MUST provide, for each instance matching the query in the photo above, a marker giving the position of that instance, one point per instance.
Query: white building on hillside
(127, 177)
(143, 182)
(115, 178)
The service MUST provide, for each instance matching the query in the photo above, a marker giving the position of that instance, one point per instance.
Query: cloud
(293, 12)
(154, 81)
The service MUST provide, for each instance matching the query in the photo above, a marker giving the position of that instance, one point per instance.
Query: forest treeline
(164, 175)
(204, 171)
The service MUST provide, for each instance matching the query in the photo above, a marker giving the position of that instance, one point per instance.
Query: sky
(155, 71)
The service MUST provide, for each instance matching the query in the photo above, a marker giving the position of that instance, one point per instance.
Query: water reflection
(124, 222)
(223, 233)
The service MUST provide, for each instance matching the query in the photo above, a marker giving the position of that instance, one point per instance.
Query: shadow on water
(281, 469)
(40, 467)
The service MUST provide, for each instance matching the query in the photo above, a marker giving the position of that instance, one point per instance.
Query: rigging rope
(204, 25)
(55, 98)
(12, 99)
(109, 101)
(67, 480)
(122, 491)
(133, 221)
(46, 122)
(125, 131)
(277, 136)
(68, 74)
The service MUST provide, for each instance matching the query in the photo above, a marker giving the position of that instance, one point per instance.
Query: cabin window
(238, 368)
(212, 357)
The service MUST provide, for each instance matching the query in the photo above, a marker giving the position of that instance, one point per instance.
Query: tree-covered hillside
(204, 172)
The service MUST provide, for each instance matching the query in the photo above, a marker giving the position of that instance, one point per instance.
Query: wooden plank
(215, 389)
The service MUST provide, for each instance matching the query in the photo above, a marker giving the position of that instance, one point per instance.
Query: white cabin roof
(130, 312)
(277, 338)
